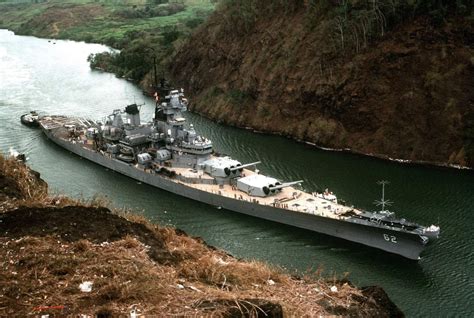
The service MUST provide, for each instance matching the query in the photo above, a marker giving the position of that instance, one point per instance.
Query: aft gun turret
(261, 186)
(284, 185)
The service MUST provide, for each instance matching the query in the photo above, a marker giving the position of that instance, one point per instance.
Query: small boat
(30, 119)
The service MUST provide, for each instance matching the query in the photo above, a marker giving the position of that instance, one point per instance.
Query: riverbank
(376, 156)
(51, 245)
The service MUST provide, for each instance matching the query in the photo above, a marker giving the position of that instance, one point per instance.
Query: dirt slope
(407, 94)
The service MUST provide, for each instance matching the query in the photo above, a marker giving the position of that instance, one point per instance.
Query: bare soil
(73, 223)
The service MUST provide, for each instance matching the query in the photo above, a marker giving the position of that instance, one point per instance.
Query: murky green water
(55, 79)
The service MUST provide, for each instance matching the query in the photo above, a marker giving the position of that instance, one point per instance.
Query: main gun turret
(284, 185)
(261, 186)
(239, 167)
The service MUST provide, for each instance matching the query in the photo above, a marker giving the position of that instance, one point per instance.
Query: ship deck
(53, 122)
(289, 198)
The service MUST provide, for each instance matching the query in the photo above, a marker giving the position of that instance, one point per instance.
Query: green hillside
(115, 23)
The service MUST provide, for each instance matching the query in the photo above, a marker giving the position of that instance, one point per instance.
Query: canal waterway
(53, 77)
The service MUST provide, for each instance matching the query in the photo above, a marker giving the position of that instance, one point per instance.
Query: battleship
(169, 154)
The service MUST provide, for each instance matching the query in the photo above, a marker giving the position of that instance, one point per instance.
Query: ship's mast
(383, 202)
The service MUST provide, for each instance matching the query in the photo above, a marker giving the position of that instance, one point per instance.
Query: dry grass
(24, 187)
(19, 185)
(46, 271)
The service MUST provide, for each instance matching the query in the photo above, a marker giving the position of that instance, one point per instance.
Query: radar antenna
(383, 202)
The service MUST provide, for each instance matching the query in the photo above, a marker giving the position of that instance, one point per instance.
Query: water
(55, 78)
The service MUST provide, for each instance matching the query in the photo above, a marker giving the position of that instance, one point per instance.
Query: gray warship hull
(407, 244)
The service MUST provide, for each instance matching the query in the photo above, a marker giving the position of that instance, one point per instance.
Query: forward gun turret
(224, 167)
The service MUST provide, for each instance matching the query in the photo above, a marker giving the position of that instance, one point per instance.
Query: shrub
(238, 97)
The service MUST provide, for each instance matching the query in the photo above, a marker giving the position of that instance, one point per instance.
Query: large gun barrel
(244, 166)
(234, 169)
(284, 185)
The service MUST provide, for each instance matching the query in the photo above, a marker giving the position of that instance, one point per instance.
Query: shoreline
(386, 158)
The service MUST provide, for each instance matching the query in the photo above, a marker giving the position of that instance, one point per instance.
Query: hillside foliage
(387, 78)
(351, 23)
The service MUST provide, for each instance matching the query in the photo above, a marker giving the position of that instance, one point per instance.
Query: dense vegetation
(138, 57)
(350, 26)
(143, 50)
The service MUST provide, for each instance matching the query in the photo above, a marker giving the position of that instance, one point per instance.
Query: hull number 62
(390, 238)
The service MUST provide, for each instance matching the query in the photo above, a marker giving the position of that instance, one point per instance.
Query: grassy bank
(51, 245)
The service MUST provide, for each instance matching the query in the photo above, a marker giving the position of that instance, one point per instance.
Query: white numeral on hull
(390, 238)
